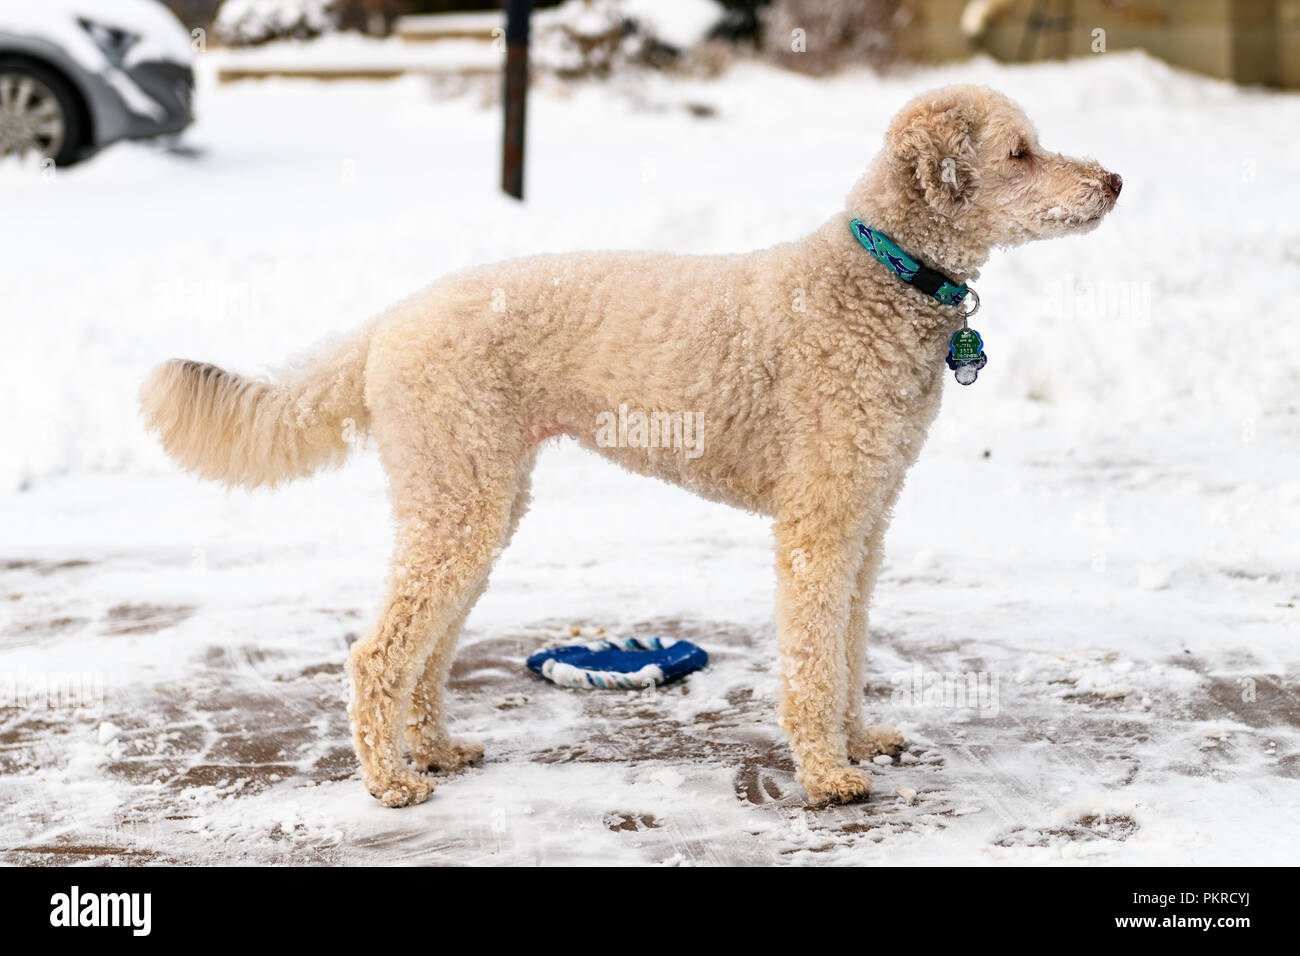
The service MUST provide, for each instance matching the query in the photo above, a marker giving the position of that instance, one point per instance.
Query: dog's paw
(447, 755)
(401, 789)
(868, 742)
(838, 785)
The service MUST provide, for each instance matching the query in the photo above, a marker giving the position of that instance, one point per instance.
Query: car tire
(72, 145)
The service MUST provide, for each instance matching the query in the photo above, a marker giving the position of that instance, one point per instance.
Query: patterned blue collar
(911, 271)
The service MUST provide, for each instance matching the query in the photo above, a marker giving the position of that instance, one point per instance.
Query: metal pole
(516, 95)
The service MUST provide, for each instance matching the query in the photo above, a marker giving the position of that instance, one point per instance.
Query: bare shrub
(821, 36)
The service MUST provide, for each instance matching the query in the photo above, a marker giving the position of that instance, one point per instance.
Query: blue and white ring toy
(627, 663)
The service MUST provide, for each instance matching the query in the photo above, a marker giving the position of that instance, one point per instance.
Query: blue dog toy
(621, 662)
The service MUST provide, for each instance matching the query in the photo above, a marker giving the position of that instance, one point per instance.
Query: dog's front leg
(866, 741)
(817, 565)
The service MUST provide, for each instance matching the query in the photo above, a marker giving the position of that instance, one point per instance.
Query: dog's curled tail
(250, 432)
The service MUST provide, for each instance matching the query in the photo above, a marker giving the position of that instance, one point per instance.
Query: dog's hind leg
(452, 480)
(426, 734)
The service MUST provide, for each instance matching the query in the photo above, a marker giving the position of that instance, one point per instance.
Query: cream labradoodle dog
(813, 368)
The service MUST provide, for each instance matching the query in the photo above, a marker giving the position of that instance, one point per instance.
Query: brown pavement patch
(628, 822)
(81, 854)
(1093, 827)
(42, 567)
(47, 626)
(145, 618)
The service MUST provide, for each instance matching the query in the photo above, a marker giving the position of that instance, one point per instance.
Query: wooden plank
(449, 26)
(234, 74)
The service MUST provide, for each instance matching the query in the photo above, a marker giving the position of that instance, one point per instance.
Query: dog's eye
(1019, 152)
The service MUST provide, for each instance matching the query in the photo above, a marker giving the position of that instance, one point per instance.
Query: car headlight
(115, 42)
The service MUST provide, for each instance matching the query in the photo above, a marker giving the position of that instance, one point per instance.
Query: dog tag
(966, 355)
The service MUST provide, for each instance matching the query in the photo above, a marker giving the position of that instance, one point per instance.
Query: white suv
(76, 75)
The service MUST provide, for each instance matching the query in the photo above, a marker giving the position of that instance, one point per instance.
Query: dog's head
(969, 156)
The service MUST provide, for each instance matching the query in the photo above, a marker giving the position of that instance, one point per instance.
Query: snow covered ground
(1122, 585)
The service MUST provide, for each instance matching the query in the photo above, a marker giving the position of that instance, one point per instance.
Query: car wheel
(39, 113)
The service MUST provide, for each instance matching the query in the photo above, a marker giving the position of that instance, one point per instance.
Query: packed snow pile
(597, 37)
(578, 38)
(678, 23)
(250, 22)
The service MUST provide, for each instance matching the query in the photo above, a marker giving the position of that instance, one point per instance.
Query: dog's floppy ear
(934, 143)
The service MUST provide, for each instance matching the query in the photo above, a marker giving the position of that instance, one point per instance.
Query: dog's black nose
(1114, 182)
